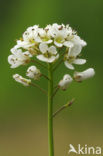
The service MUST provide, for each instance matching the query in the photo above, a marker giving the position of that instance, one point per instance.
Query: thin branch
(60, 61)
(42, 65)
(56, 90)
(63, 107)
(45, 76)
(55, 86)
(37, 86)
(58, 64)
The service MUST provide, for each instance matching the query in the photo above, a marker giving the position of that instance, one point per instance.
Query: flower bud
(33, 73)
(64, 83)
(80, 76)
(20, 79)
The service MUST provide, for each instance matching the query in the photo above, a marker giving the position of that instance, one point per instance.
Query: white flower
(33, 73)
(25, 44)
(78, 41)
(31, 33)
(80, 76)
(73, 53)
(18, 57)
(33, 36)
(44, 36)
(20, 79)
(48, 54)
(59, 33)
(65, 82)
(29, 37)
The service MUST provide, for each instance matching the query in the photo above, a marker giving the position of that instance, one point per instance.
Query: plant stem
(50, 111)
(37, 86)
(45, 76)
(58, 64)
(56, 90)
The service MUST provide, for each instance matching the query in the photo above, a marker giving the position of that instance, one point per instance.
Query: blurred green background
(23, 111)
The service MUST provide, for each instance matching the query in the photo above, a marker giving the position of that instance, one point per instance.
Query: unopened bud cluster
(78, 76)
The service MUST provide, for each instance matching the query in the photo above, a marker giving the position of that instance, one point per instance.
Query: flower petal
(58, 44)
(38, 39)
(79, 61)
(68, 44)
(43, 47)
(52, 50)
(79, 41)
(68, 65)
(45, 59)
(48, 42)
(24, 44)
(75, 50)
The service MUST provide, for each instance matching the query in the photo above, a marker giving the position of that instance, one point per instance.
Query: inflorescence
(49, 45)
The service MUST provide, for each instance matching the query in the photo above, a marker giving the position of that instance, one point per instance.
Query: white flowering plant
(53, 45)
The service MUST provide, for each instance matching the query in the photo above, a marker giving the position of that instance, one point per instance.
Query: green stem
(50, 111)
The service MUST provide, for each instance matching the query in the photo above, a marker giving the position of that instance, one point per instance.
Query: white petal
(52, 59)
(58, 44)
(79, 61)
(24, 44)
(42, 32)
(79, 41)
(65, 82)
(27, 54)
(41, 58)
(45, 59)
(68, 44)
(52, 50)
(38, 39)
(15, 49)
(43, 47)
(75, 50)
(48, 42)
(68, 65)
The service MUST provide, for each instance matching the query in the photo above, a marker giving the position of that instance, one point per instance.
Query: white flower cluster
(47, 44)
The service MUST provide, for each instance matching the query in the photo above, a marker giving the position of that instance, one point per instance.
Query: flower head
(33, 73)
